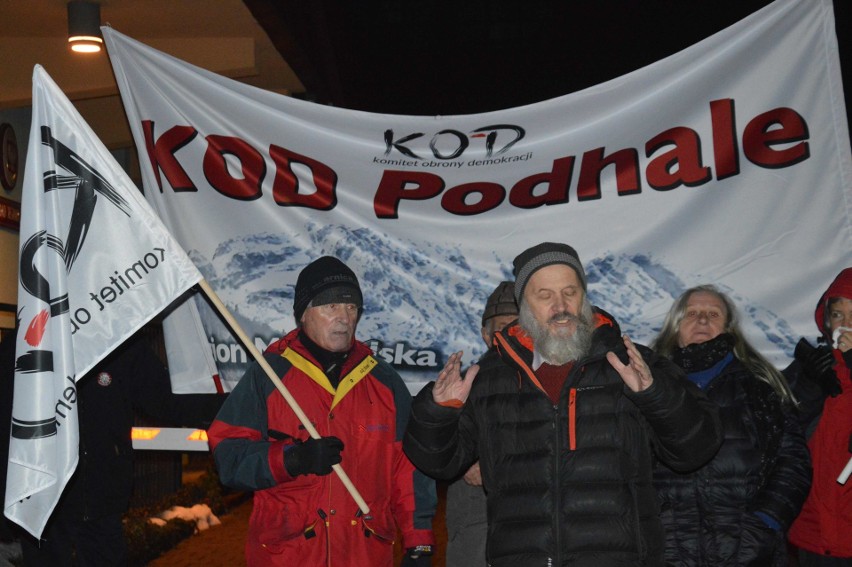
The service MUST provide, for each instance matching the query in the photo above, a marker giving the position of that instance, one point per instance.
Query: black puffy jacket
(762, 466)
(569, 484)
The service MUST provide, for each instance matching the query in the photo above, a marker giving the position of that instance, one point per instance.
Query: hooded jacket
(571, 483)
(311, 520)
(824, 523)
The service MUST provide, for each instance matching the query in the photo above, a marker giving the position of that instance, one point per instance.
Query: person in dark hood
(736, 509)
(566, 416)
(823, 530)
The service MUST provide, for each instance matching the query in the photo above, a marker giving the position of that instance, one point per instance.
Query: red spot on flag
(36, 328)
(218, 383)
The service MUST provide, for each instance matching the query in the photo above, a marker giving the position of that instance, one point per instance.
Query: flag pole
(291, 401)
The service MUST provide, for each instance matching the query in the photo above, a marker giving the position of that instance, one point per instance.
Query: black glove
(420, 556)
(818, 366)
(314, 456)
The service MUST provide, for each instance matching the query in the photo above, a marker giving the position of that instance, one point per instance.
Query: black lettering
(153, 259)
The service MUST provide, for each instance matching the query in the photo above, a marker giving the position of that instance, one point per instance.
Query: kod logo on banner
(448, 143)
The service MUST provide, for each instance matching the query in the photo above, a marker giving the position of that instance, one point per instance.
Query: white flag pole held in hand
(291, 401)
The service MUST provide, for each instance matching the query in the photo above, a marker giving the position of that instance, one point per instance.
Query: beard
(559, 347)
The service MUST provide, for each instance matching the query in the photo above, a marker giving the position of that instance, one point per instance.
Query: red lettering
(725, 149)
(394, 187)
(775, 139)
(162, 154)
(626, 163)
(686, 155)
(285, 188)
(216, 167)
(776, 127)
(455, 199)
(557, 179)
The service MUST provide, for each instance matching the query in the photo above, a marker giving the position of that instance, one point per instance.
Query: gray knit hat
(500, 302)
(541, 255)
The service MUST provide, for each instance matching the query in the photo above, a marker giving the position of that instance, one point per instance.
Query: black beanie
(541, 255)
(323, 281)
(500, 302)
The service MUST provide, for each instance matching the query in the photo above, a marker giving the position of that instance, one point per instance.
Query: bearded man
(566, 417)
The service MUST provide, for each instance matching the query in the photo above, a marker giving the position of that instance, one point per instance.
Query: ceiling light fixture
(84, 26)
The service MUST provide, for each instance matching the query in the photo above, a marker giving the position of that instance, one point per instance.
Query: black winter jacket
(569, 484)
(762, 466)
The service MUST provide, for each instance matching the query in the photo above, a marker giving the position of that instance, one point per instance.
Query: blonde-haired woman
(736, 509)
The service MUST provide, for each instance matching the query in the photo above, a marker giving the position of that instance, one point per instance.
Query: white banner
(728, 162)
(95, 265)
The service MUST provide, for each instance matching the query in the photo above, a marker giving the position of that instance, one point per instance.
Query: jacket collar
(606, 329)
(291, 340)
(516, 347)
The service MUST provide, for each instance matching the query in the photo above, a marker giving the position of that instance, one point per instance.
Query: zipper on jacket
(328, 499)
(572, 419)
(557, 504)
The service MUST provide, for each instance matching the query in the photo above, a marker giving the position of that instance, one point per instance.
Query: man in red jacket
(302, 514)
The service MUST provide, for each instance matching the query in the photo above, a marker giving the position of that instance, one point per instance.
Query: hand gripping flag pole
(291, 401)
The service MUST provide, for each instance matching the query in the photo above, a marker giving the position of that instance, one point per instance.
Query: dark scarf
(703, 362)
(330, 362)
(701, 356)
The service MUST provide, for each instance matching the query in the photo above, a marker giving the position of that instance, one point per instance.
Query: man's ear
(486, 336)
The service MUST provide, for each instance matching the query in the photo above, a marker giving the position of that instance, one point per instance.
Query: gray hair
(559, 350)
(667, 341)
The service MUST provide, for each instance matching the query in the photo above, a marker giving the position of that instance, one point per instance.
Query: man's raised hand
(635, 374)
(450, 385)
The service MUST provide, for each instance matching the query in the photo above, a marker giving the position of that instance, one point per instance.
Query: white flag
(95, 265)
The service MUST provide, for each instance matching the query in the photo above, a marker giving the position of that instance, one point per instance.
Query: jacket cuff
(649, 395)
(769, 521)
(430, 411)
(418, 537)
(275, 457)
